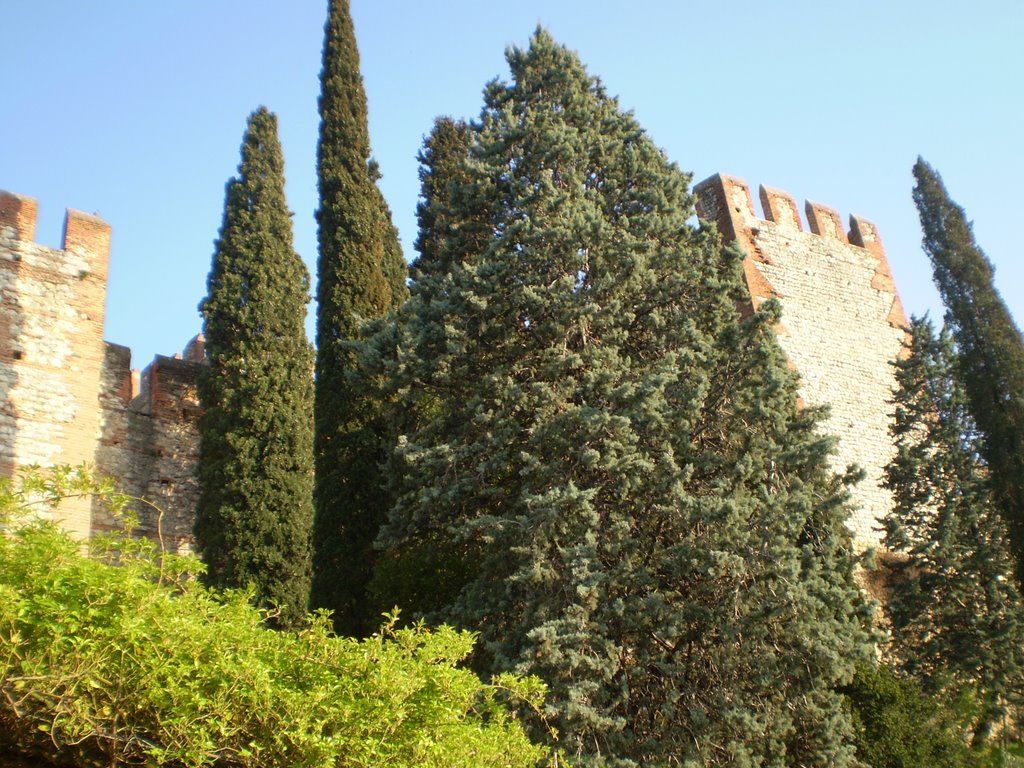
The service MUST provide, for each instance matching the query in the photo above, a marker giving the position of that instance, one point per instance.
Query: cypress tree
(956, 613)
(614, 458)
(988, 343)
(423, 575)
(255, 514)
(441, 159)
(361, 276)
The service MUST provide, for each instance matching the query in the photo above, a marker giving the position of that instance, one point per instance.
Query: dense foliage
(441, 175)
(605, 472)
(898, 725)
(956, 613)
(988, 343)
(124, 658)
(361, 276)
(255, 511)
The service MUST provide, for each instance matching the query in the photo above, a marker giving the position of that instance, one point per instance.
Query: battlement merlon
(825, 222)
(195, 350)
(779, 207)
(88, 236)
(19, 213)
(85, 236)
(726, 201)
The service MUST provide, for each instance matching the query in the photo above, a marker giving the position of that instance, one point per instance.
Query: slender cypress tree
(423, 575)
(615, 459)
(255, 512)
(444, 152)
(988, 343)
(956, 613)
(361, 276)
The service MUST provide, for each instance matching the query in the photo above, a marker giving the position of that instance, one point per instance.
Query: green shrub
(900, 726)
(120, 656)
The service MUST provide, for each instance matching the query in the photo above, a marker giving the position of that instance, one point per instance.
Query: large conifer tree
(361, 276)
(989, 344)
(255, 511)
(615, 461)
(956, 613)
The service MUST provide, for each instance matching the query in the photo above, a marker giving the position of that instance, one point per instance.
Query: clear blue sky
(135, 110)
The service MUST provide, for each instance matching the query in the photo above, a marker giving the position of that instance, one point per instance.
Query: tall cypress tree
(989, 344)
(361, 276)
(425, 574)
(444, 152)
(956, 613)
(255, 512)
(615, 460)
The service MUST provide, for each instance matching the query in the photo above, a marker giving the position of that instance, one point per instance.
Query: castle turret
(51, 343)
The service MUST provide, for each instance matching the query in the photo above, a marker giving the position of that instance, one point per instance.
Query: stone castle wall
(842, 320)
(69, 397)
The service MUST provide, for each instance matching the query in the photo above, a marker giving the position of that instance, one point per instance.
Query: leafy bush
(899, 726)
(120, 656)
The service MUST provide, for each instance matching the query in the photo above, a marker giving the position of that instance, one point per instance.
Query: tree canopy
(361, 276)
(956, 613)
(255, 513)
(988, 343)
(614, 485)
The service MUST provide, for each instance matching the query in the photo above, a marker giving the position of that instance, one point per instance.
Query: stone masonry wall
(842, 320)
(51, 344)
(68, 397)
(149, 441)
(166, 454)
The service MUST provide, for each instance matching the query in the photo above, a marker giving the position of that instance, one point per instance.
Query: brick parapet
(726, 201)
(825, 222)
(164, 420)
(18, 213)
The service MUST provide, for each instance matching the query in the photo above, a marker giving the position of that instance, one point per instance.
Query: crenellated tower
(842, 320)
(69, 397)
(51, 343)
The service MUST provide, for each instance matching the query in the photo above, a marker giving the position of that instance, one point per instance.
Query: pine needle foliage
(630, 504)
(255, 514)
(957, 616)
(361, 276)
(428, 573)
(988, 343)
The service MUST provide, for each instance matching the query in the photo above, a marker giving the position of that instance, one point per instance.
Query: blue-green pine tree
(614, 458)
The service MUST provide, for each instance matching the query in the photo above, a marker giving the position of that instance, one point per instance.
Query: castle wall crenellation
(71, 397)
